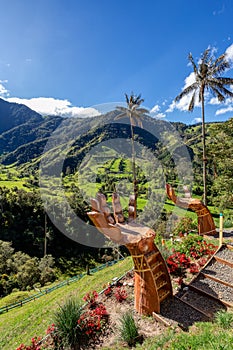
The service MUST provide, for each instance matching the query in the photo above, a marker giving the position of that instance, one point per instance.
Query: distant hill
(21, 131)
(24, 133)
(14, 114)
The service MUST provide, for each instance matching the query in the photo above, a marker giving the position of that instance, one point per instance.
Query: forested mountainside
(24, 134)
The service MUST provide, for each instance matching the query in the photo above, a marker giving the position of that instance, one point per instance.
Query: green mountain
(26, 137)
(24, 133)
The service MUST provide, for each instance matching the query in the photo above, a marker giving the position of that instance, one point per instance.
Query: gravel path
(214, 288)
(175, 311)
(221, 271)
(205, 304)
(226, 254)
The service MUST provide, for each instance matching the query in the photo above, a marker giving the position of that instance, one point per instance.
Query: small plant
(202, 262)
(33, 346)
(177, 263)
(92, 321)
(195, 246)
(184, 226)
(67, 329)
(128, 329)
(194, 268)
(120, 294)
(224, 319)
(108, 291)
(91, 298)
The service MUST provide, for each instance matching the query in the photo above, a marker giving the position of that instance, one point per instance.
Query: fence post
(220, 229)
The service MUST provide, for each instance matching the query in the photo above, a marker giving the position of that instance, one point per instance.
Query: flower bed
(97, 322)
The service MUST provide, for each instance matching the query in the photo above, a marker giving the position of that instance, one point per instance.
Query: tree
(135, 115)
(207, 78)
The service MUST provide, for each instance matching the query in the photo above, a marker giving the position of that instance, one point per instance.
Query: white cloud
(190, 79)
(160, 115)
(214, 101)
(220, 11)
(197, 120)
(155, 112)
(52, 106)
(183, 104)
(3, 90)
(229, 53)
(49, 105)
(224, 110)
(155, 109)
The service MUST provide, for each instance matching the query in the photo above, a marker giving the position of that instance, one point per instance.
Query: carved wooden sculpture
(206, 224)
(152, 280)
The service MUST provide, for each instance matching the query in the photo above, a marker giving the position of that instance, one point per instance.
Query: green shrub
(195, 246)
(224, 319)
(228, 222)
(128, 329)
(185, 225)
(67, 327)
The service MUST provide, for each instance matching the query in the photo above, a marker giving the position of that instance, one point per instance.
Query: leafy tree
(135, 114)
(27, 270)
(6, 252)
(47, 272)
(207, 78)
(219, 147)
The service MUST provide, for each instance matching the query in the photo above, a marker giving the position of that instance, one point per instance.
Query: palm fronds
(207, 77)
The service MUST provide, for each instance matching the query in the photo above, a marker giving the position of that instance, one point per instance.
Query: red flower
(120, 294)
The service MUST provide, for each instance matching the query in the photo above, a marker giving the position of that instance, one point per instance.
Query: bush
(128, 329)
(185, 225)
(195, 246)
(177, 263)
(91, 299)
(33, 346)
(120, 294)
(92, 321)
(67, 328)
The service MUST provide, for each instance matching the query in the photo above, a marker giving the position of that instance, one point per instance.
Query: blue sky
(63, 56)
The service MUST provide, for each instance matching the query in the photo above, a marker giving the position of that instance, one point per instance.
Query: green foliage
(203, 336)
(19, 270)
(228, 222)
(224, 319)
(34, 317)
(128, 329)
(14, 297)
(195, 246)
(184, 225)
(164, 250)
(67, 328)
(6, 252)
(47, 271)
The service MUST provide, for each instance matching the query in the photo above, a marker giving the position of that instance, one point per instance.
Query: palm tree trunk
(204, 147)
(45, 234)
(134, 170)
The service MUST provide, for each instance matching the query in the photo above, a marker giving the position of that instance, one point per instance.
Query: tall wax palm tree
(134, 113)
(207, 78)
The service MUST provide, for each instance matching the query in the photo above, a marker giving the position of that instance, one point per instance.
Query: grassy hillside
(20, 325)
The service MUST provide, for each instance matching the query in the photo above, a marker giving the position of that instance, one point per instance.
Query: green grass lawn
(21, 324)
(202, 336)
